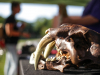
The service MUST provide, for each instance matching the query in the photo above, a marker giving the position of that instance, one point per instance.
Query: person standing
(90, 17)
(12, 34)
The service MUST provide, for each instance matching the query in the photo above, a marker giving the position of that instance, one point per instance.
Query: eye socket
(69, 40)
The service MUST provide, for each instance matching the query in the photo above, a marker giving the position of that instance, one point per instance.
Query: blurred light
(1, 52)
(28, 43)
(19, 24)
(74, 10)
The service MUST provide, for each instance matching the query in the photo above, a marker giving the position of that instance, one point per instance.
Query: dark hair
(14, 4)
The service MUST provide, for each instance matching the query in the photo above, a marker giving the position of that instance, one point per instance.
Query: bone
(57, 49)
(72, 39)
(48, 59)
(61, 52)
(32, 58)
(48, 49)
(53, 59)
(74, 55)
(46, 31)
(41, 65)
(58, 58)
(43, 42)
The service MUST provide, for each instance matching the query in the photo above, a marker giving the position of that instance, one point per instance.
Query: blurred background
(37, 16)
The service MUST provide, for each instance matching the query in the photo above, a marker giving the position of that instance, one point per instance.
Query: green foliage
(2, 62)
(2, 19)
(37, 29)
(41, 25)
(29, 29)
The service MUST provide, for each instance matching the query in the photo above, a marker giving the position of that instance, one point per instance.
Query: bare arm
(87, 20)
(9, 29)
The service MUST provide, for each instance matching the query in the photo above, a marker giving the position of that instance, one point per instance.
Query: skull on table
(76, 46)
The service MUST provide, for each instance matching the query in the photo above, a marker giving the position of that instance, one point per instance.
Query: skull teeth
(48, 59)
(61, 52)
(52, 59)
(58, 58)
(57, 49)
(33, 55)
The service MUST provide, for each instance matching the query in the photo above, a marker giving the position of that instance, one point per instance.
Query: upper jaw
(48, 42)
(40, 48)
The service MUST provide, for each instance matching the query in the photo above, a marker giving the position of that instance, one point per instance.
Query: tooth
(33, 55)
(48, 49)
(47, 31)
(31, 61)
(53, 59)
(61, 52)
(57, 49)
(48, 59)
(58, 58)
(43, 42)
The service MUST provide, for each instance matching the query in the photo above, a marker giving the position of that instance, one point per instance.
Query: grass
(2, 62)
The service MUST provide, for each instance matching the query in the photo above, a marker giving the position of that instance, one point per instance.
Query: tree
(41, 25)
(2, 19)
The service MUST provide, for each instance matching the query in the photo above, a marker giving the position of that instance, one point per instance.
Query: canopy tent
(61, 3)
(66, 2)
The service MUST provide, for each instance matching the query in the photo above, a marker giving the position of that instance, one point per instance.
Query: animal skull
(76, 45)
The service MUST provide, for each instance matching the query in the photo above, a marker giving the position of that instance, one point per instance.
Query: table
(27, 69)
